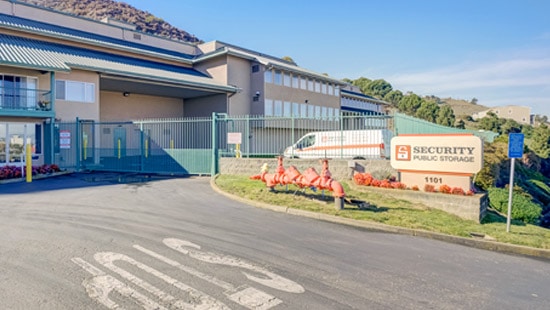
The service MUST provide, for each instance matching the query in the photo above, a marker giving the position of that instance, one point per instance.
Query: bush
(523, 208)
(429, 188)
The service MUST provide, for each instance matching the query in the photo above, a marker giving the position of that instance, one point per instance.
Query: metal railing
(194, 145)
(25, 99)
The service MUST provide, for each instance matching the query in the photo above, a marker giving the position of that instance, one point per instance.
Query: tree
(393, 97)
(541, 141)
(362, 83)
(428, 111)
(490, 122)
(474, 100)
(509, 125)
(446, 116)
(409, 104)
(378, 88)
(460, 124)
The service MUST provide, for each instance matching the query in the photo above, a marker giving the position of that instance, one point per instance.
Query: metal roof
(40, 55)
(362, 96)
(14, 22)
(266, 60)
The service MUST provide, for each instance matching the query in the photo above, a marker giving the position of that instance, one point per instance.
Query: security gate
(189, 146)
(179, 146)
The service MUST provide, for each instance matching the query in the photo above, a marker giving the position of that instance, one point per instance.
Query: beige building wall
(116, 107)
(280, 92)
(70, 110)
(204, 106)
(43, 79)
(520, 114)
(239, 74)
(215, 68)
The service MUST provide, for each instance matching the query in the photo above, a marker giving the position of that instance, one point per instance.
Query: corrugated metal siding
(36, 26)
(56, 57)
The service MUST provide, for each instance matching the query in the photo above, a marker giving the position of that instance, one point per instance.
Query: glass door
(14, 138)
(17, 137)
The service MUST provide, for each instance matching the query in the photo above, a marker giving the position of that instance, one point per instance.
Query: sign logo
(403, 152)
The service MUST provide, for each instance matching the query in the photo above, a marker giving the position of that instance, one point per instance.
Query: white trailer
(356, 144)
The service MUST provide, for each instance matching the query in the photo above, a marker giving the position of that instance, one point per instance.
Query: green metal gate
(168, 146)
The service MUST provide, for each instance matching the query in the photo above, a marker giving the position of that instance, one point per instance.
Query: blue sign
(515, 145)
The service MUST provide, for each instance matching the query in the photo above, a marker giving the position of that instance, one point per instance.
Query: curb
(378, 227)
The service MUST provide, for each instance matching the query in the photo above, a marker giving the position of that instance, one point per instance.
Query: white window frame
(76, 91)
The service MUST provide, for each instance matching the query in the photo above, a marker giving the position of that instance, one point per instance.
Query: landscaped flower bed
(367, 179)
(15, 172)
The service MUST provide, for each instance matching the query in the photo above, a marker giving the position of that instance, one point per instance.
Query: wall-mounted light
(256, 96)
(125, 94)
(306, 101)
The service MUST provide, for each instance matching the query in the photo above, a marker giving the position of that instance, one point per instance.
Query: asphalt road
(93, 241)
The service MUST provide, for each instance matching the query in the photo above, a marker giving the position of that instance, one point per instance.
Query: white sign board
(455, 153)
(65, 139)
(234, 138)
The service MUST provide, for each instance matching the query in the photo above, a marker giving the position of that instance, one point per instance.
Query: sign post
(515, 150)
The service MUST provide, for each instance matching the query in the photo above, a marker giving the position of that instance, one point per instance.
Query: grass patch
(388, 211)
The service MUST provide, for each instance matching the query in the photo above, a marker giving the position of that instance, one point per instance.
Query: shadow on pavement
(81, 180)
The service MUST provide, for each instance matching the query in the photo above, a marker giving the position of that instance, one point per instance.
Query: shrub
(523, 208)
(429, 188)
(457, 191)
(445, 189)
(415, 188)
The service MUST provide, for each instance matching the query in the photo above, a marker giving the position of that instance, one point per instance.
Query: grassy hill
(463, 107)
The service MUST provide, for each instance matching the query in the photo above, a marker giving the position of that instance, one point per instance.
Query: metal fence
(194, 145)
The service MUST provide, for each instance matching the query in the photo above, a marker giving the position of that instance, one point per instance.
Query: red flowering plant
(14, 172)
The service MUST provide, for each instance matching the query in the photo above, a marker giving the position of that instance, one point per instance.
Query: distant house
(520, 114)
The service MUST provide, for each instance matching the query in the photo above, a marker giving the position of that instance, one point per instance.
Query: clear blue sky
(495, 51)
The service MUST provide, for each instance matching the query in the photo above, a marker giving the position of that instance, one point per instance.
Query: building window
(75, 91)
(310, 85)
(255, 68)
(317, 86)
(330, 89)
(311, 111)
(303, 83)
(303, 110)
(336, 91)
(268, 76)
(286, 79)
(295, 81)
(295, 109)
(18, 92)
(317, 111)
(278, 78)
(278, 108)
(268, 107)
(324, 88)
(288, 109)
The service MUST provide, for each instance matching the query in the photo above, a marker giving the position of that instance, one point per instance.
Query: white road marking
(101, 284)
(273, 280)
(246, 296)
(199, 299)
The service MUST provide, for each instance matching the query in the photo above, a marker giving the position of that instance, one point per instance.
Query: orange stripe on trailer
(434, 134)
(356, 146)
